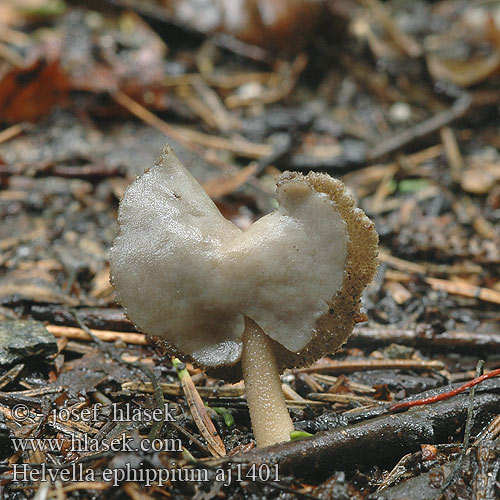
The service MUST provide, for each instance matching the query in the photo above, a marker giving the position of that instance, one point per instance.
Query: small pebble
(399, 112)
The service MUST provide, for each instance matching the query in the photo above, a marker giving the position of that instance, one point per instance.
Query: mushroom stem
(271, 422)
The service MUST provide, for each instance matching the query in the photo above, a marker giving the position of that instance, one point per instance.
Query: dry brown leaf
(473, 70)
(30, 93)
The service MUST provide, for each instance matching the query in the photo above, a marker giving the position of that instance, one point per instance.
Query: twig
(71, 332)
(272, 484)
(465, 290)
(224, 184)
(424, 336)
(220, 80)
(378, 440)
(11, 132)
(33, 393)
(85, 171)
(445, 395)
(14, 37)
(175, 389)
(223, 120)
(372, 364)
(406, 463)
(86, 485)
(427, 267)
(191, 438)
(459, 109)
(240, 48)
(221, 40)
(468, 427)
(11, 375)
(135, 493)
(491, 432)
(282, 146)
(330, 380)
(188, 137)
(342, 398)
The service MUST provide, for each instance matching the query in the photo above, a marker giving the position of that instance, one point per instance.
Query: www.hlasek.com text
(87, 443)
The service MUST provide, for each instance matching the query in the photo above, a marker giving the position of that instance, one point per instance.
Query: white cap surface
(186, 274)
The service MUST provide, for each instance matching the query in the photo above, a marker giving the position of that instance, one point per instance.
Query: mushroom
(278, 295)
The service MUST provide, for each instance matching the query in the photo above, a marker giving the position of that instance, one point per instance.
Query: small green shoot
(296, 435)
(224, 413)
(412, 185)
(186, 454)
(180, 368)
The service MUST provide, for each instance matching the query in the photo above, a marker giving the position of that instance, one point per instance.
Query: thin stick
(445, 395)
(11, 375)
(9, 133)
(371, 364)
(71, 332)
(396, 141)
(465, 290)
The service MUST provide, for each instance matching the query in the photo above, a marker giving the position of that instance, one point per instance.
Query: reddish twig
(445, 395)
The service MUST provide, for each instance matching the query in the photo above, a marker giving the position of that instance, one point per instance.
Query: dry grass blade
(199, 411)
(228, 183)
